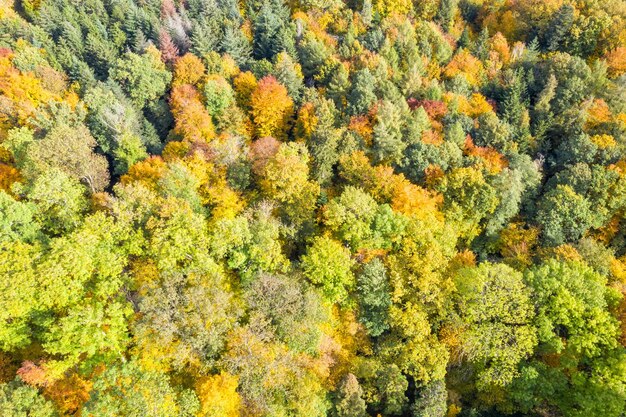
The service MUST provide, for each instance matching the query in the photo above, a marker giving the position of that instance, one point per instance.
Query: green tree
(446, 13)
(374, 297)
(559, 27)
(468, 198)
(128, 390)
(388, 144)
(129, 150)
(60, 201)
(431, 400)
(578, 369)
(289, 74)
(362, 95)
(564, 215)
(392, 386)
(18, 400)
(17, 220)
(250, 243)
(497, 316)
(218, 94)
(313, 53)
(351, 216)
(328, 264)
(572, 303)
(67, 149)
(349, 402)
(143, 77)
(273, 32)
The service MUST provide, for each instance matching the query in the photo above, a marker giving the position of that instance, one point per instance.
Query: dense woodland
(222, 208)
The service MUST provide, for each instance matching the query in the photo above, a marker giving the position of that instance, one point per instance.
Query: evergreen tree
(446, 13)
(559, 27)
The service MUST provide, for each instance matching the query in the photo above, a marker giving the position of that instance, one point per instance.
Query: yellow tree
(188, 69)
(272, 108)
(218, 396)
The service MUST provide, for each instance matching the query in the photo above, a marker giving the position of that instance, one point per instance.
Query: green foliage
(431, 401)
(128, 390)
(352, 215)
(572, 300)
(312, 208)
(328, 264)
(18, 222)
(349, 401)
(218, 95)
(143, 77)
(388, 145)
(60, 201)
(564, 215)
(497, 315)
(18, 399)
(374, 299)
(273, 33)
(362, 95)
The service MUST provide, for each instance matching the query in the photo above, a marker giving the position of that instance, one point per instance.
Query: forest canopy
(309, 208)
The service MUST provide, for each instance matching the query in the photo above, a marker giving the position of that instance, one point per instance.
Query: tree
(60, 201)
(167, 47)
(272, 380)
(412, 346)
(129, 390)
(192, 121)
(250, 243)
(497, 316)
(18, 286)
(273, 33)
(285, 179)
(143, 77)
(90, 333)
(69, 150)
(391, 387)
(188, 69)
(18, 223)
(328, 264)
(387, 138)
(564, 215)
(349, 402)
(218, 396)
(313, 54)
(271, 108)
(192, 340)
(289, 73)
(362, 95)
(288, 310)
(468, 198)
(446, 13)
(431, 401)
(18, 399)
(492, 132)
(237, 45)
(576, 369)
(218, 95)
(559, 27)
(388, 7)
(351, 216)
(374, 297)
(572, 309)
(130, 150)
(464, 64)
